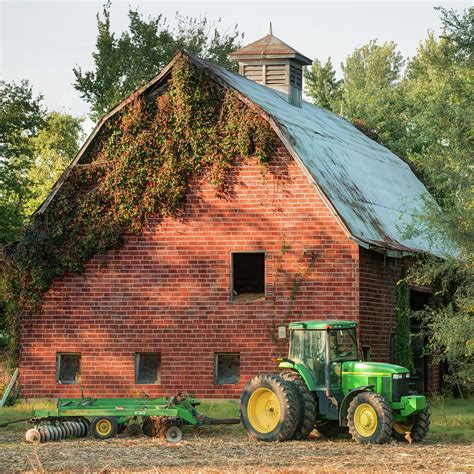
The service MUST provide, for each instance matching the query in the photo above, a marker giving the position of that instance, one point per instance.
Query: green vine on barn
(141, 167)
(403, 353)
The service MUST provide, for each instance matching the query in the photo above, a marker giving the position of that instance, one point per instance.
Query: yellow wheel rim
(365, 420)
(104, 427)
(403, 427)
(263, 410)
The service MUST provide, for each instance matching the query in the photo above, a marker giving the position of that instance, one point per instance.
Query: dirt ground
(227, 450)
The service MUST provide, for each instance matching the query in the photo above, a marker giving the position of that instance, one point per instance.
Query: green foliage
(439, 87)
(122, 64)
(141, 166)
(403, 354)
(53, 149)
(21, 116)
(371, 93)
(35, 147)
(459, 29)
(322, 86)
(439, 93)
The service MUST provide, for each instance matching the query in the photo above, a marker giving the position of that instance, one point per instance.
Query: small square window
(226, 369)
(248, 275)
(147, 368)
(366, 353)
(68, 368)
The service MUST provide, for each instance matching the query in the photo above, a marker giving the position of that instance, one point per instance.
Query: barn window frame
(139, 357)
(61, 358)
(257, 296)
(221, 379)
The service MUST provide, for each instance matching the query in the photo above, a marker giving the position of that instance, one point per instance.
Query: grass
(21, 409)
(452, 420)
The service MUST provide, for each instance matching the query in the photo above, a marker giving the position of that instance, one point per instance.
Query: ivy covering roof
(372, 192)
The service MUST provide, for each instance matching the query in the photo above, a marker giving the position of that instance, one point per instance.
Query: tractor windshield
(309, 346)
(343, 345)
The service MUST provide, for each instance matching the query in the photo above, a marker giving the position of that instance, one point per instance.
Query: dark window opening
(68, 368)
(147, 368)
(251, 150)
(248, 275)
(419, 299)
(226, 369)
(366, 353)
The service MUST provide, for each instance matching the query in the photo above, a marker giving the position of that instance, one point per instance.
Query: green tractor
(324, 385)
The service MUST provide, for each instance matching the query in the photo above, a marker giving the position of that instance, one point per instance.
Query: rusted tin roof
(371, 191)
(269, 47)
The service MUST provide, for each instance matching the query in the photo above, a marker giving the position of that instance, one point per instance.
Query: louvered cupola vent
(274, 64)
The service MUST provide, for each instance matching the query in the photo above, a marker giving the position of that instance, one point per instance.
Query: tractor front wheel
(270, 408)
(414, 429)
(370, 418)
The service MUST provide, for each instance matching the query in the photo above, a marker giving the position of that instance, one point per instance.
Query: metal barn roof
(372, 192)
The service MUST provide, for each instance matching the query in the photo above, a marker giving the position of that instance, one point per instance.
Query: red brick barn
(201, 304)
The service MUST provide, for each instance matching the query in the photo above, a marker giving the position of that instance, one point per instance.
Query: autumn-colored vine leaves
(141, 166)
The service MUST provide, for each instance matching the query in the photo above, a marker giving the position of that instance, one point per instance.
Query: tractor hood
(376, 369)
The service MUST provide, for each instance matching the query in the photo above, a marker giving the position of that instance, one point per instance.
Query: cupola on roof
(271, 62)
(270, 47)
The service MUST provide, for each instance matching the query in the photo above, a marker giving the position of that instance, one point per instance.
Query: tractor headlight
(401, 376)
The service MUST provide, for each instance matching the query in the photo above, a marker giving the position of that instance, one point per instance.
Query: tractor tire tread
(384, 415)
(420, 428)
(292, 407)
(307, 402)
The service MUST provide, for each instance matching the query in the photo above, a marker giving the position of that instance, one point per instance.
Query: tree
(438, 88)
(459, 29)
(122, 64)
(54, 147)
(371, 92)
(439, 96)
(21, 117)
(322, 86)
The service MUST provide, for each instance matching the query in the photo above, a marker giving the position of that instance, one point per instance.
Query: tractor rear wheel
(270, 408)
(307, 401)
(370, 418)
(414, 429)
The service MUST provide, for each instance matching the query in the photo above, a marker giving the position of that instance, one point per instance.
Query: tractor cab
(323, 347)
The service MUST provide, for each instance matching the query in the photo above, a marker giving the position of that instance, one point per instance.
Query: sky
(42, 41)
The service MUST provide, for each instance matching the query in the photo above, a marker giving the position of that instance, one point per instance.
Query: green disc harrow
(106, 417)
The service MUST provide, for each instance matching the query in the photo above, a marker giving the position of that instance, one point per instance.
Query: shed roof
(371, 191)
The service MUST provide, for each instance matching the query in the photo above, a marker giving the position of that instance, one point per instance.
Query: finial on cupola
(271, 32)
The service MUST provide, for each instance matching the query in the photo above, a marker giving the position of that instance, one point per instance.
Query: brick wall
(378, 294)
(168, 291)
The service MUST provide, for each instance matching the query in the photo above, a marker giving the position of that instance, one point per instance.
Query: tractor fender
(304, 371)
(347, 400)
